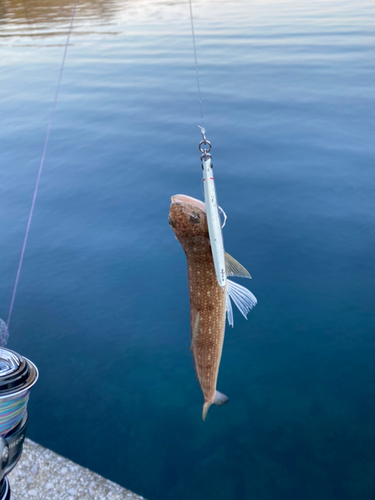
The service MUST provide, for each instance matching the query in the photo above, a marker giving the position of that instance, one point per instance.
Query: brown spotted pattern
(207, 298)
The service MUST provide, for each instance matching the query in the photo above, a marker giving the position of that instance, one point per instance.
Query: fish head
(187, 217)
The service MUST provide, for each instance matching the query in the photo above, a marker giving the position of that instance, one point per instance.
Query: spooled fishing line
(17, 377)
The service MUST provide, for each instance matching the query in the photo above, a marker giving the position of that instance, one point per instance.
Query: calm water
(102, 307)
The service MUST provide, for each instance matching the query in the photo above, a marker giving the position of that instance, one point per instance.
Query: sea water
(102, 306)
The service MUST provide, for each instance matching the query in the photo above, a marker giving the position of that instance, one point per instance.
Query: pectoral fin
(242, 297)
(234, 268)
(228, 306)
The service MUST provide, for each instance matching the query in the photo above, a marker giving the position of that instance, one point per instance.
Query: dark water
(102, 307)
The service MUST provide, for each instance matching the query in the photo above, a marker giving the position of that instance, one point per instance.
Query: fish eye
(171, 222)
(195, 218)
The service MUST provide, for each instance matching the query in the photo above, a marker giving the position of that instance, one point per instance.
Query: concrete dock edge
(42, 474)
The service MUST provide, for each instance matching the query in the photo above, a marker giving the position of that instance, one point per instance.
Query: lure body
(214, 222)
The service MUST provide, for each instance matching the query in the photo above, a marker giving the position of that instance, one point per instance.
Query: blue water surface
(102, 306)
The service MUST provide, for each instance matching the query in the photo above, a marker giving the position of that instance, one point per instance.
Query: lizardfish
(208, 303)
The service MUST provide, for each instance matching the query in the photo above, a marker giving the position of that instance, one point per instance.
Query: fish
(210, 303)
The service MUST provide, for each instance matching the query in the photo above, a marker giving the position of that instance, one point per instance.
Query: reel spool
(17, 376)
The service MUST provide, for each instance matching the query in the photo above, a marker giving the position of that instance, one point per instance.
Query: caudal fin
(206, 407)
(220, 399)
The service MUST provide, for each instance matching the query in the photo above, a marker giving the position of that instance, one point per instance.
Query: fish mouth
(183, 198)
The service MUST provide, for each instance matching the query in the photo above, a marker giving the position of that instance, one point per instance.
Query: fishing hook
(225, 216)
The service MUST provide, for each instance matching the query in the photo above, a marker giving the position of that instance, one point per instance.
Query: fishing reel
(17, 376)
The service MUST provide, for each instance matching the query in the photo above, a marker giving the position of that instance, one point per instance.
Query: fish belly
(207, 310)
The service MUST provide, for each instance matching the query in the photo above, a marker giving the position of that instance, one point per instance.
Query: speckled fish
(209, 302)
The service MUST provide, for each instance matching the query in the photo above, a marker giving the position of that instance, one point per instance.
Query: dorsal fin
(234, 268)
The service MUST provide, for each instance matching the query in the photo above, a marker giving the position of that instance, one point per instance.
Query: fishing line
(196, 62)
(12, 412)
(210, 198)
(5, 332)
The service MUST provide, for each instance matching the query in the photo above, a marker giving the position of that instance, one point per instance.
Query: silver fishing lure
(212, 211)
(224, 264)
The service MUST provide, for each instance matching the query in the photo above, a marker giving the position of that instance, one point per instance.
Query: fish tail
(206, 407)
(219, 399)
